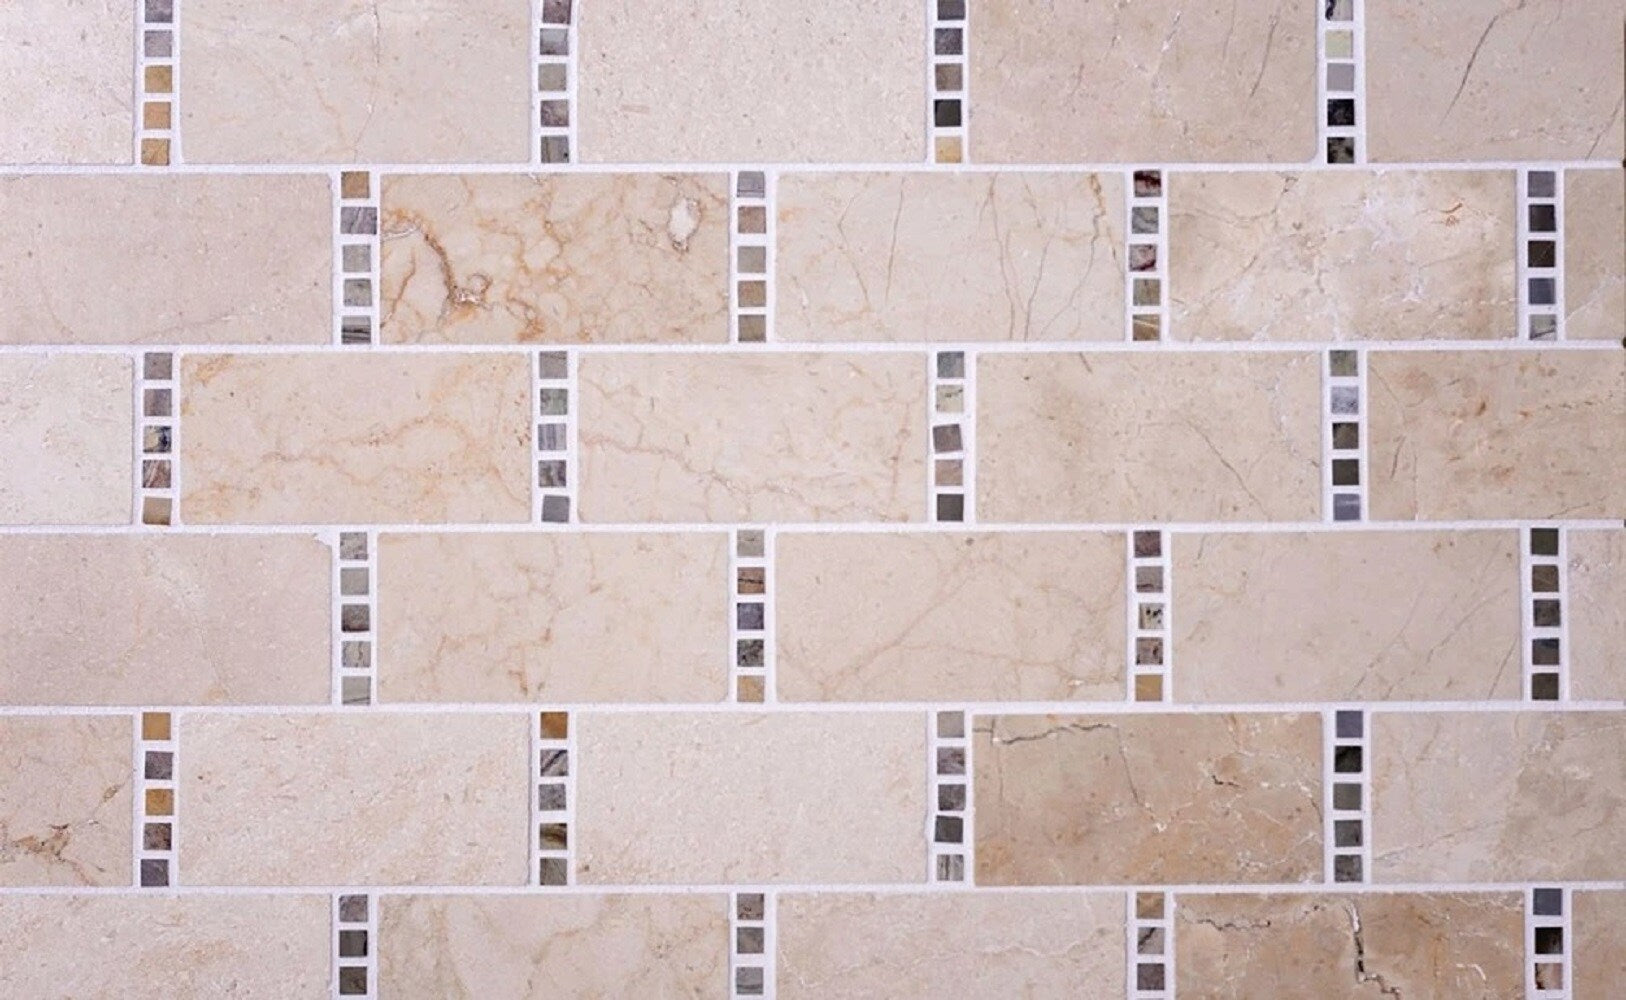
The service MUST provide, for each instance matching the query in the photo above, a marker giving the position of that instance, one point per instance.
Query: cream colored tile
(950, 257)
(1595, 254)
(1158, 82)
(356, 81)
(710, 797)
(66, 439)
(1548, 792)
(1595, 614)
(753, 437)
(198, 259)
(1086, 437)
(1598, 926)
(64, 802)
(717, 81)
(553, 617)
(68, 76)
(157, 947)
(1347, 616)
(1107, 799)
(1493, 80)
(1346, 255)
(1367, 945)
(475, 947)
(925, 617)
(1525, 434)
(567, 258)
(928, 945)
(356, 438)
(357, 799)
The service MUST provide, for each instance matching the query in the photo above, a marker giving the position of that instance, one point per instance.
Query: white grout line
(162, 859)
(1349, 864)
(554, 402)
(949, 813)
(1344, 402)
(358, 222)
(1554, 676)
(749, 616)
(1342, 21)
(1147, 190)
(751, 190)
(166, 139)
(948, 413)
(1549, 968)
(553, 868)
(1150, 589)
(1540, 191)
(355, 650)
(554, 41)
(1157, 958)
(157, 506)
(948, 143)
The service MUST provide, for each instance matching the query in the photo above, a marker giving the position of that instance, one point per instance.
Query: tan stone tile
(1548, 795)
(1493, 80)
(950, 257)
(1346, 255)
(1159, 82)
(716, 81)
(358, 799)
(1347, 616)
(730, 797)
(1595, 254)
(753, 437)
(464, 947)
(66, 439)
(1370, 945)
(1525, 434)
(1595, 613)
(929, 945)
(168, 260)
(571, 258)
(164, 619)
(553, 617)
(1597, 927)
(1105, 799)
(923, 617)
(69, 81)
(1144, 437)
(356, 81)
(161, 947)
(64, 802)
(355, 438)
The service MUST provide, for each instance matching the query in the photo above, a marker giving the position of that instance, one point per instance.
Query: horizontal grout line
(1103, 707)
(820, 527)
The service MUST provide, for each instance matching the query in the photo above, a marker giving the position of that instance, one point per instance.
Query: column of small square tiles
(750, 637)
(1148, 256)
(553, 811)
(1547, 973)
(953, 434)
(1150, 654)
(949, 83)
(155, 829)
(355, 945)
(355, 271)
(951, 787)
(1349, 827)
(158, 441)
(1344, 437)
(751, 248)
(553, 377)
(1151, 946)
(751, 926)
(1541, 254)
(1341, 84)
(355, 617)
(157, 139)
(1546, 649)
(553, 118)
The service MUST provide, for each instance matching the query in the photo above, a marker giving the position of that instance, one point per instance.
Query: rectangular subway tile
(69, 80)
(1594, 263)
(1598, 926)
(65, 809)
(65, 439)
(1594, 612)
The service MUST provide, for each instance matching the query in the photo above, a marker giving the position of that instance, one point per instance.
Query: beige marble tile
(1107, 799)
(64, 802)
(1347, 616)
(356, 799)
(718, 81)
(1493, 80)
(475, 947)
(896, 946)
(66, 439)
(1598, 926)
(1078, 437)
(950, 257)
(356, 81)
(1370, 946)
(1345, 255)
(1506, 435)
(949, 615)
(1595, 254)
(710, 797)
(743, 437)
(160, 947)
(68, 75)
(122, 259)
(553, 617)
(1595, 613)
(1548, 792)
(567, 258)
(164, 619)
(1159, 82)
(355, 438)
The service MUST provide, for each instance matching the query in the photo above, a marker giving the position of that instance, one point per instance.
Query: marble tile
(1595, 254)
(65, 811)
(1507, 435)
(1150, 82)
(718, 81)
(898, 946)
(949, 615)
(553, 617)
(1548, 791)
(950, 257)
(743, 437)
(69, 80)
(357, 799)
(1597, 927)
(356, 81)
(1110, 799)
(712, 797)
(355, 438)
(68, 420)
(572, 258)
(164, 619)
(1595, 614)
(1493, 80)
(1345, 255)
(119, 259)
(1347, 616)
(1078, 437)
